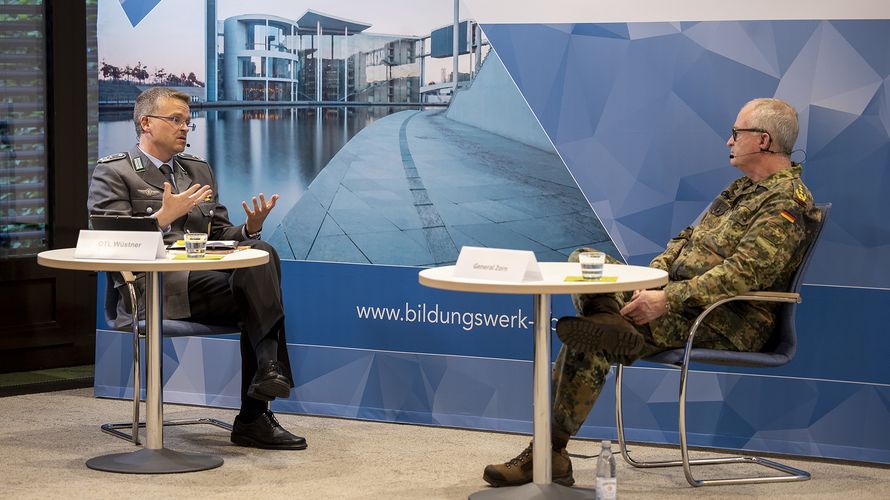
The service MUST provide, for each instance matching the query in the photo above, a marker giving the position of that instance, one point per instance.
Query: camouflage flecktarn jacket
(752, 238)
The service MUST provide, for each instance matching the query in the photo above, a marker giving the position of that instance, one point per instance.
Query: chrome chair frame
(116, 428)
(690, 354)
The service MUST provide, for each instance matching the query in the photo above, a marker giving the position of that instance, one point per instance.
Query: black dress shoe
(269, 383)
(265, 432)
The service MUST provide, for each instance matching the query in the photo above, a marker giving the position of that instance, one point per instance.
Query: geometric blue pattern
(797, 416)
(787, 415)
(136, 10)
(640, 113)
(832, 400)
(196, 370)
(331, 381)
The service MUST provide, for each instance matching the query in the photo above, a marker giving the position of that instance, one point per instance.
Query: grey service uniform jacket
(130, 184)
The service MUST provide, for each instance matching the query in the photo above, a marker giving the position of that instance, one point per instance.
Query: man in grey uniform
(156, 179)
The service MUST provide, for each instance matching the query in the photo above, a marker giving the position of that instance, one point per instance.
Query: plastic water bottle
(606, 481)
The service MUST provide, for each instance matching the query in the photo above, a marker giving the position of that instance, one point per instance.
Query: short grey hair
(778, 118)
(147, 103)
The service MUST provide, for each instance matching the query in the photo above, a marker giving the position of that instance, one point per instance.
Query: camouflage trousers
(579, 376)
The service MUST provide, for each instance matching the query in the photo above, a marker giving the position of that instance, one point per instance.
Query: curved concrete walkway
(414, 187)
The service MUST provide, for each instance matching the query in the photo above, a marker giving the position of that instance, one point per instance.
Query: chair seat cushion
(720, 357)
(179, 328)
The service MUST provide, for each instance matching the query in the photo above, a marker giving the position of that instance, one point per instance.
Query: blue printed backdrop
(385, 308)
(640, 113)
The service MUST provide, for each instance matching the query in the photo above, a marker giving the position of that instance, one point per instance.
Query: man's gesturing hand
(257, 216)
(177, 205)
(645, 306)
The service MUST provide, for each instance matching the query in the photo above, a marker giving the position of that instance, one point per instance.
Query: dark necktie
(168, 175)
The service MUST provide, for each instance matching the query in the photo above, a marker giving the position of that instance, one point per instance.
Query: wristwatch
(254, 236)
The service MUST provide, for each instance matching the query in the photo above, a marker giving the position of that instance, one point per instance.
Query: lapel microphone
(731, 156)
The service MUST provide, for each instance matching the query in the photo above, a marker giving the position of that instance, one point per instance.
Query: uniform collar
(157, 162)
(154, 176)
(149, 174)
(793, 172)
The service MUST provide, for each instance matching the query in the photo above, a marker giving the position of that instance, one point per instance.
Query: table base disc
(534, 491)
(146, 461)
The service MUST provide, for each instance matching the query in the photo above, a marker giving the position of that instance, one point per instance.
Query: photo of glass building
(318, 58)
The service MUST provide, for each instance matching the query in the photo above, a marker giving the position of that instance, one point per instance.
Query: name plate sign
(120, 245)
(497, 264)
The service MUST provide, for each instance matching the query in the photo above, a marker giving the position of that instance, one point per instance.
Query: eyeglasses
(176, 121)
(735, 132)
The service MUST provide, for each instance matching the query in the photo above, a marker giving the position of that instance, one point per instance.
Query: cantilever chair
(778, 351)
(171, 328)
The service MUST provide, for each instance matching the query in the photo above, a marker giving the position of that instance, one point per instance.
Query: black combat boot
(601, 329)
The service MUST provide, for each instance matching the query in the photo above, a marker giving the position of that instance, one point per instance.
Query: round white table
(153, 458)
(553, 282)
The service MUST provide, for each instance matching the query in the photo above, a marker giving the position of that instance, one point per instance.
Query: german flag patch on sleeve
(788, 216)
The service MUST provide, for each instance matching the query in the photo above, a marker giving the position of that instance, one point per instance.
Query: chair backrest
(112, 296)
(780, 349)
(784, 341)
(172, 327)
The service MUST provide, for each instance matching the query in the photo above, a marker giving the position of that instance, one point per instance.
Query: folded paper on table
(182, 256)
(605, 279)
(211, 245)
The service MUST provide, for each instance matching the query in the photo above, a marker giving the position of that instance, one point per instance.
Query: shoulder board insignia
(112, 157)
(137, 164)
(800, 195)
(187, 156)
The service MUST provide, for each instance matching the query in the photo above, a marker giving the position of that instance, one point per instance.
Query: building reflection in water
(252, 150)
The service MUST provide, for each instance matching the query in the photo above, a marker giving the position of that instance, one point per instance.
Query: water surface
(253, 150)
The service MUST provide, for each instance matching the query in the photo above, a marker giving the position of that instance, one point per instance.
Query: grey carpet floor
(45, 439)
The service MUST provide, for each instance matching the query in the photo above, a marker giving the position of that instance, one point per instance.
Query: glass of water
(592, 264)
(195, 245)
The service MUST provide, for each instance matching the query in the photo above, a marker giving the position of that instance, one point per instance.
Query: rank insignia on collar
(137, 164)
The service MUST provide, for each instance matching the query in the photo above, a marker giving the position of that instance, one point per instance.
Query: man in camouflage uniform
(752, 238)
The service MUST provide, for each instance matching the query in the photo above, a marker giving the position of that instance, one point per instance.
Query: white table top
(63, 258)
(554, 273)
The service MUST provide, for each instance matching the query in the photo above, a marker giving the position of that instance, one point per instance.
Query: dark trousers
(251, 298)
